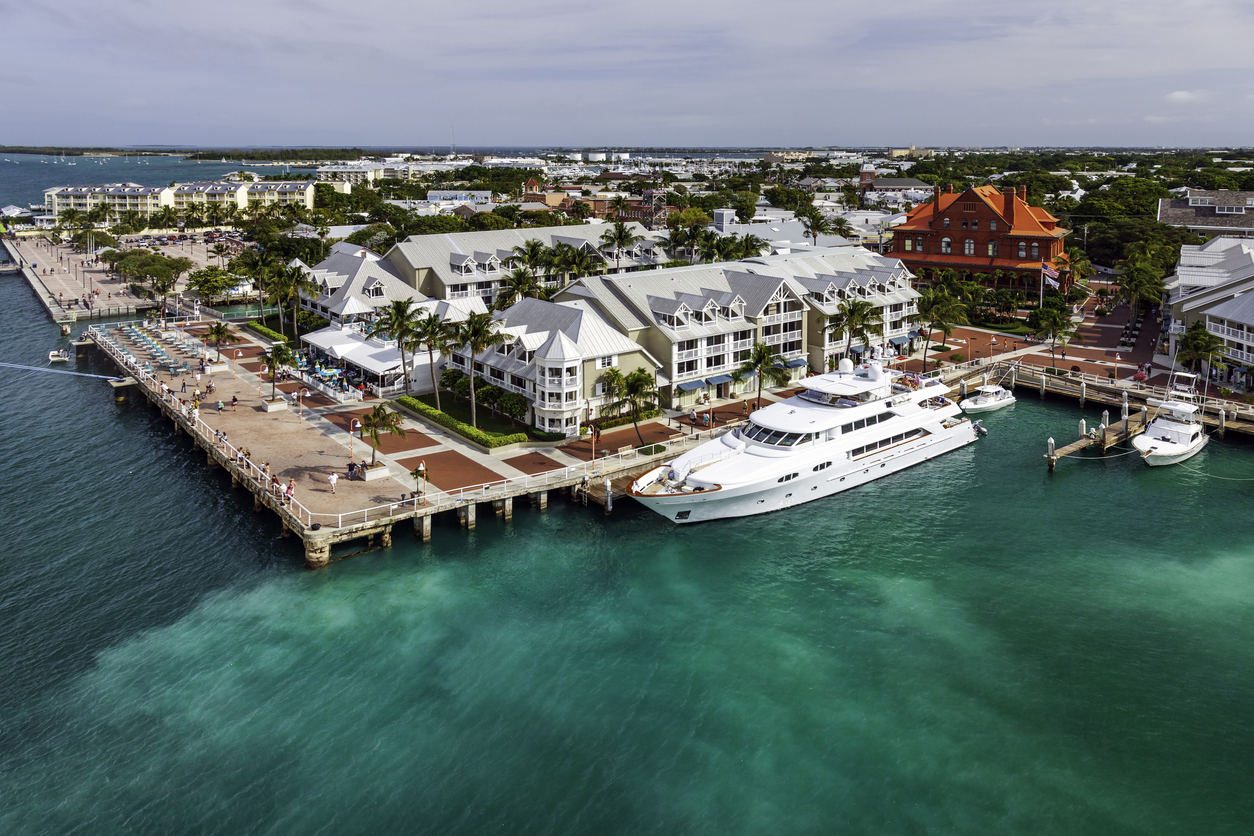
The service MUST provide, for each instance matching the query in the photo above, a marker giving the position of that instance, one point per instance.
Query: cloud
(1185, 97)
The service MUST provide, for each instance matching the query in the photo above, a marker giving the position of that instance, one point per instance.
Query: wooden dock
(1104, 437)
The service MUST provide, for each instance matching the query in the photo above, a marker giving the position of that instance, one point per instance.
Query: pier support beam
(257, 503)
(544, 500)
(385, 539)
(470, 517)
(509, 508)
(422, 527)
(498, 507)
(317, 553)
(234, 481)
(210, 460)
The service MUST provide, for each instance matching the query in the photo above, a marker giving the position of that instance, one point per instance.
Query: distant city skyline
(560, 73)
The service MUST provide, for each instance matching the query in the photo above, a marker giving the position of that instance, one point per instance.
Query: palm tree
(620, 237)
(436, 335)
(842, 227)
(302, 285)
(1142, 281)
(766, 363)
(376, 422)
(517, 284)
(1056, 326)
(282, 286)
(531, 254)
(557, 261)
(581, 262)
(399, 320)
(938, 311)
(816, 224)
(164, 218)
(1077, 262)
(220, 251)
(1199, 345)
(70, 218)
(706, 241)
(752, 246)
(618, 205)
(856, 318)
(477, 333)
(278, 355)
(218, 333)
(635, 392)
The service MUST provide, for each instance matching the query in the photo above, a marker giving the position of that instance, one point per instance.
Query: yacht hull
(971, 407)
(1173, 455)
(758, 498)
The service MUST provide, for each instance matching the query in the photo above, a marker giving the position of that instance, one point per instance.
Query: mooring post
(1082, 392)
(962, 389)
(509, 508)
(1105, 417)
(544, 500)
(1083, 428)
(1014, 378)
(1042, 384)
(1049, 453)
(470, 517)
(609, 496)
(1223, 422)
(1102, 433)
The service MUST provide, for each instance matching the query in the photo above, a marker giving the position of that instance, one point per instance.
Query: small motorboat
(1175, 433)
(59, 356)
(987, 398)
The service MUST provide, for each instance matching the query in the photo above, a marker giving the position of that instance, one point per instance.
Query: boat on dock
(987, 398)
(1175, 433)
(59, 355)
(844, 429)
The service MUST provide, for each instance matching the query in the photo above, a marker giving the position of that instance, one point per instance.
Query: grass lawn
(490, 422)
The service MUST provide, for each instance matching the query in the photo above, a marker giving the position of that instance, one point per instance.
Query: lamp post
(353, 426)
(300, 399)
(1117, 359)
(234, 360)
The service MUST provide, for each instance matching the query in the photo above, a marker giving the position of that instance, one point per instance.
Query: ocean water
(971, 646)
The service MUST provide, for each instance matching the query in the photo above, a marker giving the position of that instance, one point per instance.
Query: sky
(584, 73)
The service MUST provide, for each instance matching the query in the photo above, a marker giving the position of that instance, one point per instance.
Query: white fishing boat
(1175, 433)
(845, 429)
(59, 356)
(987, 398)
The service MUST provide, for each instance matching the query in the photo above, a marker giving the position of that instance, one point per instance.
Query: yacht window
(773, 438)
(858, 451)
(884, 416)
(860, 424)
(847, 428)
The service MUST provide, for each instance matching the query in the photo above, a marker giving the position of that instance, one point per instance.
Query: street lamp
(353, 426)
(234, 360)
(300, 399)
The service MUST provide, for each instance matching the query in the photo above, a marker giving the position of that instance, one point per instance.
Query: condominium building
(464, 264)
(1207, 276)
(701, 321)
(119, 197)
(128, 197)
(556, 355)
(355, 173)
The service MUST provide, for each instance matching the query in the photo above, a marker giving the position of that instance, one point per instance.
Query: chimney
(949, 188)
(1009, 211)
(1023, 193)
(935, 201)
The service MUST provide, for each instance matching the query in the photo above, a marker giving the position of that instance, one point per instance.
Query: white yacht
(987, 398)
(845, 429)
(1175, 433)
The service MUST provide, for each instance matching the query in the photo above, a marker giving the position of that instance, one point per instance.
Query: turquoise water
(972, 646)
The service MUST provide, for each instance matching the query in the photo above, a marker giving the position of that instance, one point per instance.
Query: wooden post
(1223, 422)
(1102, 433)
(1049, 453)
(461, 516)
(385, 539)
(609, 496)
(509, 508)
(1083, 389)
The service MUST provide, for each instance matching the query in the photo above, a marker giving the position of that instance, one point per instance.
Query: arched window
(992, 225)
(992, 249)
(964, 224)
(1036, 250)
(1023, 249)
(918, 244)
(968, 247)
(975, 224)
(945, 223)
(908, 243)
(946, 246)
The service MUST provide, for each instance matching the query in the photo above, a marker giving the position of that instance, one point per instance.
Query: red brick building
(981, 230)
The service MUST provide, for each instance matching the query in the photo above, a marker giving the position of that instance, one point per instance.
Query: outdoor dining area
(343, 359)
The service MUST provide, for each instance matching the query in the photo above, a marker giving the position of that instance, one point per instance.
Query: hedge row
(463, 429)
(623, 420)
(267, 333)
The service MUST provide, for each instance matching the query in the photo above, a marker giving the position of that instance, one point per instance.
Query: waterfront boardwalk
(310, 439)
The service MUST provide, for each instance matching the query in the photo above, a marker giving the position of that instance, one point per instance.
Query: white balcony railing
(688, 355)
(740, 345)
(773, 339)
(551, 383)
(790, 316)
(1225, 331)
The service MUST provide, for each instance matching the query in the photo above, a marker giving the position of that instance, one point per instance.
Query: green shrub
(267, 333)
(623, 420)
(653, 449)
(956, 358)
(449, 378)
(465, 430)
(1101, 311)
(310, 321)
(541, 435)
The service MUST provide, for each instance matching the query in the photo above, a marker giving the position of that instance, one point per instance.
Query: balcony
(557, 383)
(790, 316)
(740, 345)
(1224, 331)
(774, 339)
(681, 356)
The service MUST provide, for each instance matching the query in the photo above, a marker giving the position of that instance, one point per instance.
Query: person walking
(234, 402)
(290, 492)
(332, 479)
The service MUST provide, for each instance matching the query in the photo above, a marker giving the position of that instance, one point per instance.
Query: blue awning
(690, 385)
(899, 340)
(857, 349)
(717, 379)
(798, 363)
(914, 335)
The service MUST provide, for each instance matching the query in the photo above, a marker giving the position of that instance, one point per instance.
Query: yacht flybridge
(845, 429)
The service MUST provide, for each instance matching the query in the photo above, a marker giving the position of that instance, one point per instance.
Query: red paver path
(388, 443)
(449, 470)
(312, 399)
(533, 462)
(610, 442)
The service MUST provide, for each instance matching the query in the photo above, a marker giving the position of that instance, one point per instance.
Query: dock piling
(509, 508)
(1042, 384)
(1084, 428)
(1083, 393)
(1049, 453)
(1223, 422)
(422, 527)
(609, 496)
(470, 516)
(544, 500)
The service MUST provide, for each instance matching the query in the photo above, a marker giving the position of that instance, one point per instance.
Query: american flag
(1049, 271)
